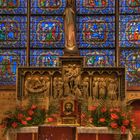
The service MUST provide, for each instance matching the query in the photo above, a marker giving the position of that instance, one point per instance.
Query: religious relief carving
(72, 81)
(102, 88)
(70, 85)
(37, 85)
(95, 87)
(85, 87)
(57, 87)
(112, 88)
(105, 87)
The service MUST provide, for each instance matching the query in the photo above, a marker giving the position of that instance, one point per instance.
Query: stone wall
(7, 102)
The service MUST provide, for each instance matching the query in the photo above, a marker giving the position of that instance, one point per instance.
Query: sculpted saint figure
(95, 85)
(112, 89)
(102, 88)
(69, 26)
(85, 87)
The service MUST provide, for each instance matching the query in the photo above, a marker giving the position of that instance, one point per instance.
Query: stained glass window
(9, 60)
(98, 58)
(49, 58)
(131, 60)
(47, 32)
(96, 32)
(48, 6)
(95, 6)
(13, 32)
(13, 6)
(129, 31)
(95, 35)
(130, 6)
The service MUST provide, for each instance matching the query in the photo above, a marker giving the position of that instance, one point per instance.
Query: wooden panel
(56, 133)
(26, 136)
(86, 137)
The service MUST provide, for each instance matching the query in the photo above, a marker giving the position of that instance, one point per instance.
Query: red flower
(117, 109)
(123, 129)
(3, 125)
(125, 122)
(50, 119)
(28, 118)
(33, 107)
(20, 116)
(30, 112)
(102, 120)
(111, 110)
(92, 108)
(83, 115)
(114, 125)
(14, 124)
(90, 120)
(114, 116)
(123, 115)
(23, 122)
(103, 109)
(133, 128)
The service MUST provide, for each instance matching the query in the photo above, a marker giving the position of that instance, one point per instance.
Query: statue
(69, 27)
(60, 87)
(95, 87)
(55, 87)
(102, 88)
(112, 89)
(85, 84)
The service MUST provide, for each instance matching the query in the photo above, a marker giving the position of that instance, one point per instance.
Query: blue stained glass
(129, 31)
(129, 6)
(9, 60)
(131, 60)
(47, 32)
(99, 58)
(49, 58)
(12, 32)
(13, 6)
(48, 6)
(95, 6)
(96, 31)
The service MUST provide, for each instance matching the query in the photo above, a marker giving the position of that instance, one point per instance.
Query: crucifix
(70, 29)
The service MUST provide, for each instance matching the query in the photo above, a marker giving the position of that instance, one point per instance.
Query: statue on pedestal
(69, 29)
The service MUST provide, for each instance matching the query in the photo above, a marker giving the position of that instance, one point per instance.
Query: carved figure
(66, 84)
(69, 26)
(102, 88)
(85, 85)
(55, 87)
(60, 87)
(47, 86)
(95, 87)
(36, 85)
(112, 89)
(72, 80)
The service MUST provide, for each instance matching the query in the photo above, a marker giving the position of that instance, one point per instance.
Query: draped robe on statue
(70, 42)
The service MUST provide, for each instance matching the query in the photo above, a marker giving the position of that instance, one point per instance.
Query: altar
(45, 132)
(72, 96)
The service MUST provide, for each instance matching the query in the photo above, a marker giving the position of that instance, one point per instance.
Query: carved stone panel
(72, 79)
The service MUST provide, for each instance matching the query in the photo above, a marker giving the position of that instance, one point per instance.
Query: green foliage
(23, 116)
(101, 114)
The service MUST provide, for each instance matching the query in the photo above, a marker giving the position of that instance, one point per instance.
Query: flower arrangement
(104, 115)
(23, 116)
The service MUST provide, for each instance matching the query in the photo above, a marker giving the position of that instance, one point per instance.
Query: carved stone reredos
(71, 79)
